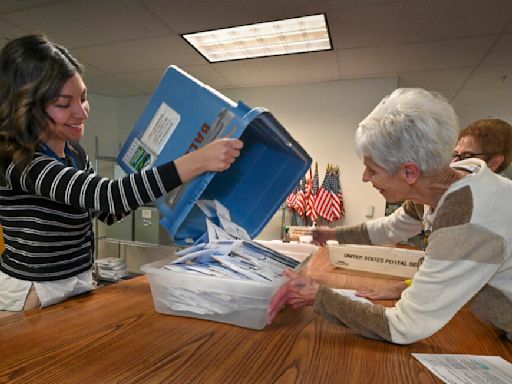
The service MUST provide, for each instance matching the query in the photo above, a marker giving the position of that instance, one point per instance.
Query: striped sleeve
(82, 188)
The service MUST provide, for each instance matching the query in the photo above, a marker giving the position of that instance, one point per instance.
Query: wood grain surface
(114, 335)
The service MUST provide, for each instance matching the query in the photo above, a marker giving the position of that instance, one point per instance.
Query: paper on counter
(467, 369)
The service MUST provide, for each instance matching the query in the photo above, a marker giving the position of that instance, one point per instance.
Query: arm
(402, 224)
(460, 259)
(47, 177)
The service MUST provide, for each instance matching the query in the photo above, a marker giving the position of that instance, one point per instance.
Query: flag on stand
(337, 210)
(323, 199)
(340, 195)
(300, 201)
(329, 201)
(291, 199)
(313, 192)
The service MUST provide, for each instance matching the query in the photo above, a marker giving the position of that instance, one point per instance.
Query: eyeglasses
(468, 155)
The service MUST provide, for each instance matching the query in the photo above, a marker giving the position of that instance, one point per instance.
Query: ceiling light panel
(281, 37)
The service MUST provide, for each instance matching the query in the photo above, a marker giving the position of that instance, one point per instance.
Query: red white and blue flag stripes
(313, 192)
(329, 201)
(313, 202)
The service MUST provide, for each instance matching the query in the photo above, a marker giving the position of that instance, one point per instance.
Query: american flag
(291, 199)
(313, 192)
(300, 201)
(337, 208)
(329, 201)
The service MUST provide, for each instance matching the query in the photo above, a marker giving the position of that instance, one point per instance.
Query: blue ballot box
(183, 115)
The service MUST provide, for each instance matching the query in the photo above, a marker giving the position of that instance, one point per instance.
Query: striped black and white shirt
(46, 211)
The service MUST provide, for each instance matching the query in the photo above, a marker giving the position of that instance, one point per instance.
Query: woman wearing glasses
(486, 139)
(406, 144)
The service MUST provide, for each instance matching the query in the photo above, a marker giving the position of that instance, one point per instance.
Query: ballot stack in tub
(227, 278)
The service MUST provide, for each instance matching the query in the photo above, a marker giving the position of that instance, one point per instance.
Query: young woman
(49, 193)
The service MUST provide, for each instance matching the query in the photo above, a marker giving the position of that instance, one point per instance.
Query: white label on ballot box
(160, 128)
(138, 156)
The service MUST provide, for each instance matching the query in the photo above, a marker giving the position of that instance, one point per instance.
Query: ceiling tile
(335, 4)
(107, 85)
(415, 21)
(449, 94)
(208, 75)
(491, 77)
(8, 31)
(484, 96)
(90, 70)
(469, 113)
(141, 55)
(185, 16)
(396, 59)
(79, 23)
(501, 52)
(7, 6)
(280, 70)
(145, 81)
(441, 79)
(125, 45)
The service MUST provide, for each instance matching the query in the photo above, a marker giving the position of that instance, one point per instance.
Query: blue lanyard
(67, 152)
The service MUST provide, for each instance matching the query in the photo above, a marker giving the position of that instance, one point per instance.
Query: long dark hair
(32, 72)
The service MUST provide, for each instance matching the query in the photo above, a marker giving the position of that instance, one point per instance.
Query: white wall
(468, 112)
(104, 123)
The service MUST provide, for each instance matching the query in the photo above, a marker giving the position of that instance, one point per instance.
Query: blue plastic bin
(182, 115)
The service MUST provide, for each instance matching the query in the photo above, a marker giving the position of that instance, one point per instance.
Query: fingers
(229, 152)
(278, 302)
(388, 293)
(290, 273)
(366, 293)
(222, 153)
(322, 234)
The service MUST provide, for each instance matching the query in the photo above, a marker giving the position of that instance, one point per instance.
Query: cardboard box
(295, 232)
(387, 261)
(239, 302)
(183, 115)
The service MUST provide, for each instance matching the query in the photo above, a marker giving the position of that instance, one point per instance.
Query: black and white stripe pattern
(46, 211)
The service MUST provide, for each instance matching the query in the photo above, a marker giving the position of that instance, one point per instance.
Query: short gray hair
(409, 125)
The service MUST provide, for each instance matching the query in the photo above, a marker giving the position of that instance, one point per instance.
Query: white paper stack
(111, 269)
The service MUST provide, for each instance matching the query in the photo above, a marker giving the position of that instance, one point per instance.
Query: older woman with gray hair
(406, 144)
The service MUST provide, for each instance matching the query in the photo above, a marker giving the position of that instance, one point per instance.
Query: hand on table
(322, 234)
(392, 292)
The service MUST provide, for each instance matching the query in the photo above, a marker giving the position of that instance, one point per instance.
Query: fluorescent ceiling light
(282, 37)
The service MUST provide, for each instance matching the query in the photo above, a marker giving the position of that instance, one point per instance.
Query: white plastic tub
(238, 302)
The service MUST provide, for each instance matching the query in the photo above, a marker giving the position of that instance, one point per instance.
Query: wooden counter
(113, 335)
